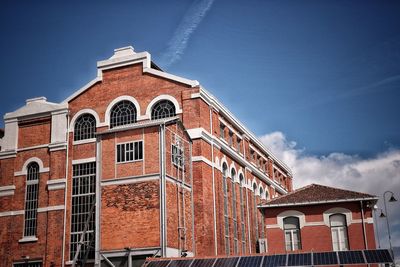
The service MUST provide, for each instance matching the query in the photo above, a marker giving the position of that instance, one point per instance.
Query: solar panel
(180, 263)
(301, 259)
(203, 263)
(325, 258)
(226, 262)
(158, 263)
(378, 256)
(351, 257)
(274, 261)
(253, 261)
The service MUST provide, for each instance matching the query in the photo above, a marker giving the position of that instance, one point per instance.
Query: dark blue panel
(253, 261)
(378, 256)
(203, 263)
(274, 261)
(180, 263)
(325, 258)
(158, 263)
(226, 262)
(301, 259)
(351, 257)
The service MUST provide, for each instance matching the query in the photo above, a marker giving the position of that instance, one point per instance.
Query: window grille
(242, 203)
(234, 214)
(339, 232)
(85, 127)
(163, 109)
(226, 219)
(177, 156)
(291, 225)
(28, 264)
(129, 152)
(31, 199)
(83, 197)
(124, 112)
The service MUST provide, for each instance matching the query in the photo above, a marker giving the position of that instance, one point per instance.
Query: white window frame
(343, 245)
(174, 159)
(292, 232)
(128, 151)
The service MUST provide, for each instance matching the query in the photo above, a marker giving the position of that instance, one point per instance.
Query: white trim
(139, 117)
(338, 210)
(226, 124)
(203, 159)
(28, 239)
(56, 184)
(84, 141)
(24, 170)
(57, 146)
(316, 202)
(12, 213)
(223, 160)
(7, 190)
(51, 208)
(32, 147)
(86, 160)
(8, 154)
(81, 112)
(192, 83)
(149, 108)
(82, 89)
(291, 213)
(129, 180)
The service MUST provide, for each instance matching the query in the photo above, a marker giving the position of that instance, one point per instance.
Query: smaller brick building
(319, 218)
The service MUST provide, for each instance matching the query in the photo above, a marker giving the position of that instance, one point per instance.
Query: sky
(317, 81)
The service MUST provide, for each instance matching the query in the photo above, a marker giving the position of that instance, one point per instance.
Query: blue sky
(318, 81)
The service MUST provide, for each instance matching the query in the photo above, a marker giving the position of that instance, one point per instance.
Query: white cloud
(373, 175)
(188, 24)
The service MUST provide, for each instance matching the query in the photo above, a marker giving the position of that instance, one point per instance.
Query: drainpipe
(363, 225)
(65, 194)
(213, 186)
(163, 237)
(98, 201)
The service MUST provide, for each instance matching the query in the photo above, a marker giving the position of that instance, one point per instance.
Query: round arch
(173, 100)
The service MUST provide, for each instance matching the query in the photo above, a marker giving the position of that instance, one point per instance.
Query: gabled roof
(316, 194)
(36, 106)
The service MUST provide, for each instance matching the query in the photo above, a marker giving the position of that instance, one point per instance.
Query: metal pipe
(162, 191)
(191, 195)
(387, 221)
(213, 187)
(65, 194)
(97, 258)
(363, 225)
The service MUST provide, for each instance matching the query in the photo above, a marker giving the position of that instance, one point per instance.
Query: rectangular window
(230, 140)
(292, 239)
(177, 156)
(222, 131)
(31, 205)
(238, 144)
(128, 152)
(83, 211)
(28, 264)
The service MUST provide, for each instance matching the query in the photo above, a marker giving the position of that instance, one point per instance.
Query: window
(83, 200)
(234, 214)
(128, 152)
(241, 199)
(230, 140)
(124, 112)
(85, 127)
(291, 225)
(226, 219)
(28, 264)
(177, 156)
(163, 109)
(262, 216)
(339, 232)
(31, 199)
(255, 213)
(222, 131)
(238, 144)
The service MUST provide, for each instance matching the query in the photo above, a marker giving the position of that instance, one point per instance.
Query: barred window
(122, 113)
(31, 199)
(128, 152)
(83, 198)
(177, 156)
(28, 264)
(85, 127)
(234, 214)
(242, 203)
(163, 109)
(226, 219)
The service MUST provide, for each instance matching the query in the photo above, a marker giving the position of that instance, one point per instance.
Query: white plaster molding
(86, 160)
(51, 208)
(10, 138)
(28, 239)
(178, 110)
(32, 147)
(57, 146)
(81, 112)
(12, 213)
(56, 184)
(191, 83)
(82, 89)
(291, 213)
(338, 210)
(129, 180)
(121, 98)
(84, 141)
(7, 190)
(223, 160)
(202, 159)
(8, 154)
(24, 171)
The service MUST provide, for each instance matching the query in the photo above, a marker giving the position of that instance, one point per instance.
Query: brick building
(136, 163)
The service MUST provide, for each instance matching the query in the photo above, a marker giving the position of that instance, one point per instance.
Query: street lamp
(382, 215)
(391, 199)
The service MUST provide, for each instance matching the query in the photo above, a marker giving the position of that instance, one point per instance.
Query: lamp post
(382, 215)
(391, 199)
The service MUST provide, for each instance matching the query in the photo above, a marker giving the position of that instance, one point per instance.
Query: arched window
(226, 219)
(262, 216)
(234, 214)
(339, 232)
(122, 113)
(31, 199)
(241, 199)
(85, 127)
(255, 212)
(163, 109)
(291, 225)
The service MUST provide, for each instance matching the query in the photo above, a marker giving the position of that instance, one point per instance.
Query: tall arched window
(226, 219)
(234, 214)
(31, 199)
(241, 199)
(262, 216)
(85, 127)
(339, 232)
(255, 212)
(291, 225)
(163, 109)
(122, 113)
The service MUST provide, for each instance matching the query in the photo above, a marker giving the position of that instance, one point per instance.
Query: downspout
(247, 211)
(162, 192)
(363, 225)
(191, 194)
(65, 194)
(98, 201)
(213, 185)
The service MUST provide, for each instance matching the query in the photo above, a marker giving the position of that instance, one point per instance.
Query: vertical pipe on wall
(65, 194)
(213, 185)
(191, 195)
(363, 225)
(162, 192)
(98, 202)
